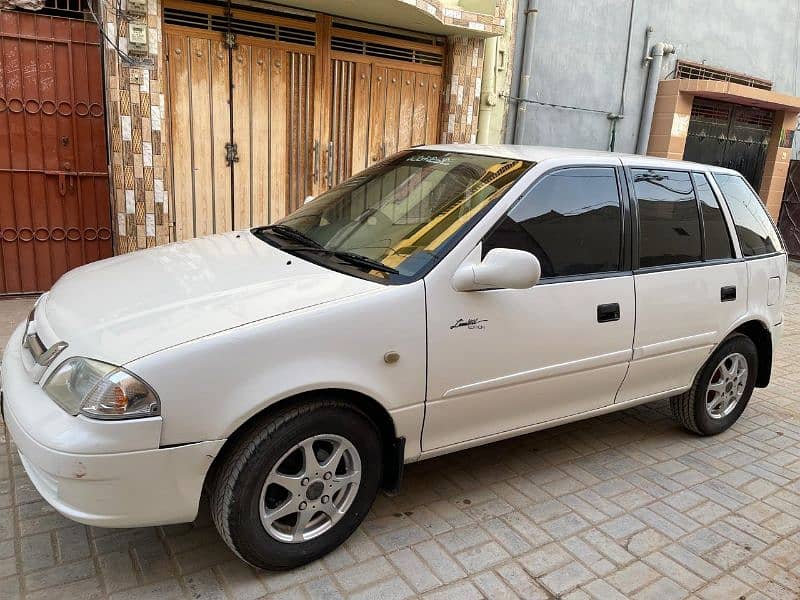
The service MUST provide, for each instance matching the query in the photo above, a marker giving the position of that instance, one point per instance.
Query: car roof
(538, 154)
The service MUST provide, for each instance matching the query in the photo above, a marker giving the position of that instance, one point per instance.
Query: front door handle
(727, 293)
(607, 313)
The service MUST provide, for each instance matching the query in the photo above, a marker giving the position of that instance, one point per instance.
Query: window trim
(700, 219)
(625, 223)
(723, 209)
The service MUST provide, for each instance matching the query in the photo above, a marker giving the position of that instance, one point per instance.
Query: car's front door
(501, 360)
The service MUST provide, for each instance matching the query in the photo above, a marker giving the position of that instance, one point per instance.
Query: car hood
(135, 304)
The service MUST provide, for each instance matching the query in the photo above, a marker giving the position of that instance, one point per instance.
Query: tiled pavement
(622, 506)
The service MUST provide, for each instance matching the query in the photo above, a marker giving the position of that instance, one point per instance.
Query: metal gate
(55, 211)
(730, 135)
(268, 107)
(789, 219)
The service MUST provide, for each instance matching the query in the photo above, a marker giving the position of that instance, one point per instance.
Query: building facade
(131, 124)
(730, 78)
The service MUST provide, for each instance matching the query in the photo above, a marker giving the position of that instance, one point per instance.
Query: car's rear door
(690, 286)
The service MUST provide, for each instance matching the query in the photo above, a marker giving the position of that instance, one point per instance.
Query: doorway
(730, 135)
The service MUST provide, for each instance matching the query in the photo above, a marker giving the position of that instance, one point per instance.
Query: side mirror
(308, 199)
(502, 268)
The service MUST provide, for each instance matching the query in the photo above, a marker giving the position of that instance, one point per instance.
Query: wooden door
(200, 127)
(55, 211)
(267, 109)
(385, 96)
(241, 112)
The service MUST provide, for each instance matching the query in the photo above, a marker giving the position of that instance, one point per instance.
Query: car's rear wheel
(298, 484)
(721, 390)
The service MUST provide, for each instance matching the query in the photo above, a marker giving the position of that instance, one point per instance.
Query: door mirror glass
(501, 268)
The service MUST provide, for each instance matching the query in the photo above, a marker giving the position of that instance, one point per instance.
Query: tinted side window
(571, 221)
(718, 239)
(755, 230)
(669, 224)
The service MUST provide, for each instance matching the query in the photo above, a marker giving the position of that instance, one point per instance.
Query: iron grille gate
(730, 135)
(789, 219)
(55, 211)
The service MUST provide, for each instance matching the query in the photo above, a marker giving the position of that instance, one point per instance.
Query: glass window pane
(404, 212)
(753, 227)
(718, 239)
(571, 221)
(669, 225)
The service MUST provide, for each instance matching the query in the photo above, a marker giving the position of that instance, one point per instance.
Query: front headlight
(101, 391)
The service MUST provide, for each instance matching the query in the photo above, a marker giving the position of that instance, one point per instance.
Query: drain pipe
(531, 12)
(655, 59)
(488, 90)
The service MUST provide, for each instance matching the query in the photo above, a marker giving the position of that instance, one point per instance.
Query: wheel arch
(760, 334)
(393, 447)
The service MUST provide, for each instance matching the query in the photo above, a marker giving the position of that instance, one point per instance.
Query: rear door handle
(727, 293)
(608, 312)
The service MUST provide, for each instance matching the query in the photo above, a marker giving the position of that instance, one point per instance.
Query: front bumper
(91, 471)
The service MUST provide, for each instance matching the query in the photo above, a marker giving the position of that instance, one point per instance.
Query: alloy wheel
(310, 488)
(727, 386)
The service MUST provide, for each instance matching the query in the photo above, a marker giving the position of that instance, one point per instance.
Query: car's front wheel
(298, 484)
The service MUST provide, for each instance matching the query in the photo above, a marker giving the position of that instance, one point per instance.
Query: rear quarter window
(754, 229)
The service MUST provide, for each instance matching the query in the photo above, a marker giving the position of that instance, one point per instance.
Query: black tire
(689, 409)
(236, 492)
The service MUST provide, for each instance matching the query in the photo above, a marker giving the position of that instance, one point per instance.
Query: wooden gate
(267, 108)
(385, 96)
(55, 211)
(240, 88)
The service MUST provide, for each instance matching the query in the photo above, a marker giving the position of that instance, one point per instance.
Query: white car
(447, 297)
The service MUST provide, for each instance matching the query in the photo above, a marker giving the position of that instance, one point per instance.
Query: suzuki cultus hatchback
(446, 297)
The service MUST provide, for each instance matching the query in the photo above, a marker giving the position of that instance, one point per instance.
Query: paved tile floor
(622, 506)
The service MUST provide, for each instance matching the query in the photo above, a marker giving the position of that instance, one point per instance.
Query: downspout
(531, 12)
(620, 114)
(488, 90)
(655, 59)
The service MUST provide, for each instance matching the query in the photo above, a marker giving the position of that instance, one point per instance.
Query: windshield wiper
(364, 261)
(358, 260)
(290, 233)
(311, 245)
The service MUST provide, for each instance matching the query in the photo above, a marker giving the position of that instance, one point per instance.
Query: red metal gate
(55, 210)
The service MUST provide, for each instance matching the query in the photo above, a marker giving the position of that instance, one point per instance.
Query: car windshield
(401, 215)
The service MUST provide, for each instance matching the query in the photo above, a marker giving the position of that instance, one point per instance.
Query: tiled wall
(137, 136)
(462, 94)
